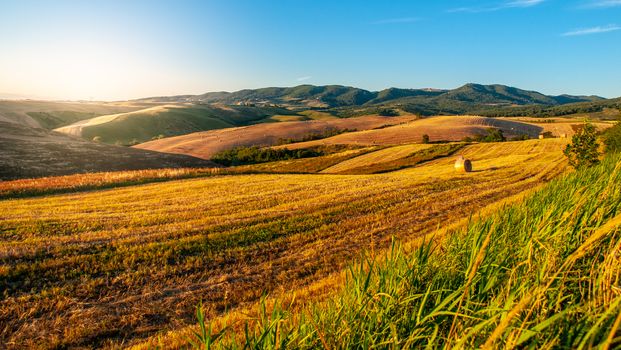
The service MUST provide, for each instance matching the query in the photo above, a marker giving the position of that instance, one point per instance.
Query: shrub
(425, 138)
(255, 155)
(493, 135)
(582, 151)
(612, 138)
(388, 112)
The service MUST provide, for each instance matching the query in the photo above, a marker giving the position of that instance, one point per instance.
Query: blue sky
(128, 49)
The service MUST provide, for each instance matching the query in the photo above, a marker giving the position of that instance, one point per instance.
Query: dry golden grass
(205, 144)
(96, 268)
(304, 165)
(69, 183)
(380, 156)
(559, 126)
(443, 128)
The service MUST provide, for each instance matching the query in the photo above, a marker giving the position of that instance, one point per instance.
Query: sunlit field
(543, 272)
(271, 175)
(114, 266)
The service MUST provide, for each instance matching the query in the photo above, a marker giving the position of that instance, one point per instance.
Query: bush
(388, 112)
(425, 138)
(493, 135)
(582, 151)
(255, 155)
(612, 138)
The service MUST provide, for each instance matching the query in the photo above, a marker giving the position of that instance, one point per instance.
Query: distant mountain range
(334, 96)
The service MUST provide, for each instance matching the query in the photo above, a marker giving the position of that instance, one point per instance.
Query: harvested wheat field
(380, 156)
(444, 128)
(205, 144)
(117, 266)
(560, 126)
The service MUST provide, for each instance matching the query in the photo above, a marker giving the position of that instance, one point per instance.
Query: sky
(116, 50)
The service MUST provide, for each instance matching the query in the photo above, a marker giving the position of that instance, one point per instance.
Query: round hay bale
(541, 136)
(463, 164)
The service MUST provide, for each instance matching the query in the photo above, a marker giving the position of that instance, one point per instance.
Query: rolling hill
(169, 120)
(370, 131)
(207, 143)
(330, 96)
(446, 128)
(34, 152)
(54, 114)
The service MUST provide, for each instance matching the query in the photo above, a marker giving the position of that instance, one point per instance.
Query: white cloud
(604, 3)
(499, 6)
(304, 78)
(397, 20)
(523, 3)
(593, 30)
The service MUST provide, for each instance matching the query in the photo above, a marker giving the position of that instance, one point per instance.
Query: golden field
(207, 143)
(116, 266)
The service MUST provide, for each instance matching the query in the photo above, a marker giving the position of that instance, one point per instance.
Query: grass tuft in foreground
(544, 273)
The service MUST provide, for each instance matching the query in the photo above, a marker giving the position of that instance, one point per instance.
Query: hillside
(542, 272)
(168, 120)
(432, 101)
(448, 128)
(205, 144)
(52, 114)
(33, 152)
(599, 109)
(118, 266)
(442, 128)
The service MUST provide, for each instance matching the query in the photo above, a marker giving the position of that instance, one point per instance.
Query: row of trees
(254, 155)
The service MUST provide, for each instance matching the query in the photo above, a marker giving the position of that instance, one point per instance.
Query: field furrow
(121, 264)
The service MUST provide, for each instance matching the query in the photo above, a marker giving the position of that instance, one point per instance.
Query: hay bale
(541, 137)
(463, 164)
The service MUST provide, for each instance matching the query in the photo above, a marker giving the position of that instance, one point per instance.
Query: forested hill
(330, 96)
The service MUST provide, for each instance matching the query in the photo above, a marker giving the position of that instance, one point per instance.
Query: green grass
(612, 138)
(136, 127)
(543, 273)
(55, 119)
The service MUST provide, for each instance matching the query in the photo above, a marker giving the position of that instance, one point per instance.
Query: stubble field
(117, 266)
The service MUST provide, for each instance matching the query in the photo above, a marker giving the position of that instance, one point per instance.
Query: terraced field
(116, 266)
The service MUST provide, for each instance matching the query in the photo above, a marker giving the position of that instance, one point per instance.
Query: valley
(108, 245)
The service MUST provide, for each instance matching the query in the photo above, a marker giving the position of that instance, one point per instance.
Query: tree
(583, 149)
(425, 138)
(494, 135)
(388, 112)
